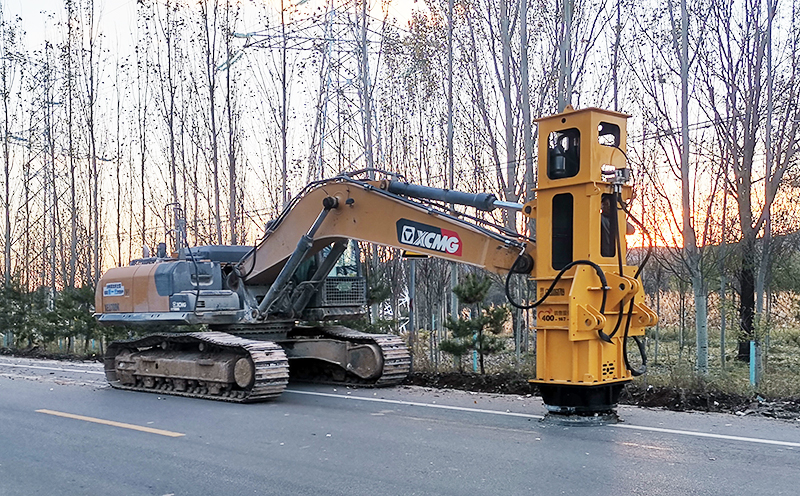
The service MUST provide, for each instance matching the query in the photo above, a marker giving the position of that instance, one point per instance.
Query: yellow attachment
(569, 348)
(581, 174)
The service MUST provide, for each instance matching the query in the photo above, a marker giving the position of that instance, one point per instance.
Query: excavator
(279, 307)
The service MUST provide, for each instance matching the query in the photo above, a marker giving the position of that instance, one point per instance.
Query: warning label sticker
(114, 289)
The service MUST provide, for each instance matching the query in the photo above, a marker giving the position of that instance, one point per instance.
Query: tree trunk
(691, 252)
(209, 49)
(747, 288)
(6, 166)
(73, 209)
(231, 117)
(701, 324)
(511, 148)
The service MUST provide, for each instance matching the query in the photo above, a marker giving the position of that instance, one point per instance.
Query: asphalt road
(63, 431)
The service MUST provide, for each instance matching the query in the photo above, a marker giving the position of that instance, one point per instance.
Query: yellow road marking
(112, 423)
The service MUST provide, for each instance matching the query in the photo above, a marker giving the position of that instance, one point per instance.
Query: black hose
(618, 237)
(639, 343)
(645, 231)
(605, 337)
(237, 272)
(196, 273)
(275, 223)
(558, 277)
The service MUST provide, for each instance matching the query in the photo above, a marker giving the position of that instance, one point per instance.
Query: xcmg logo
(424, 236)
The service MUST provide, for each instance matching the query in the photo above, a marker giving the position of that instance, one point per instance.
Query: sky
(38, 14)
(117, 20)
(118, 17)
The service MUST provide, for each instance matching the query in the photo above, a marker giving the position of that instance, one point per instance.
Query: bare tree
(143, 90)
(209, 17)
(118, 159)
(664, 61)
(90, 51)
(737, 105)
(170, 28)
(50, 192)
(11, 58)
(68, 56)
(232, 116)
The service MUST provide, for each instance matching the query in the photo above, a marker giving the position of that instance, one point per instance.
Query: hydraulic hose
(639, 342)
(646, 233)
(558, 277)
(618, 201)
(196, 273)
(618, 239)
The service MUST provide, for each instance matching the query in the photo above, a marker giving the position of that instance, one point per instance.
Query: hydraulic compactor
(590, 302)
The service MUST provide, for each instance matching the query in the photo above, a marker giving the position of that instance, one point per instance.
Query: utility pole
(527, 136)
(761, 278)
(450, 158)
(565, 57)
(761, 286)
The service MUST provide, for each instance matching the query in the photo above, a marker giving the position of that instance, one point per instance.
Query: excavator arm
(388, 213)
(369, 211)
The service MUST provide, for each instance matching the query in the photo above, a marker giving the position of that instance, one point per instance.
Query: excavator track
(208, 365)
(394, 354)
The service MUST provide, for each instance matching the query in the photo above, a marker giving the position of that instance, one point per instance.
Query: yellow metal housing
(582, 162)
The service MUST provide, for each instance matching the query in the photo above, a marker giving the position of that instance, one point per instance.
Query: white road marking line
(57, 369)
(707, 434)
(539, 417)
(112, 423)
(413, 403)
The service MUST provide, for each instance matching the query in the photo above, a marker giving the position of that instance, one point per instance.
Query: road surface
(63, 431)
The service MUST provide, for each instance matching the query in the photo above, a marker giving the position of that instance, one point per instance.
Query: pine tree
(480, 333)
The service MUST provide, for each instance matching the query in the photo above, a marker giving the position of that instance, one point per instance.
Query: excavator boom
(369, 211)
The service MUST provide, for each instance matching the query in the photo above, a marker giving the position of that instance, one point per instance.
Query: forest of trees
(214, 111)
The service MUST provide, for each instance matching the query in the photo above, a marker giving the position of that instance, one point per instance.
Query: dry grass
(674, 363)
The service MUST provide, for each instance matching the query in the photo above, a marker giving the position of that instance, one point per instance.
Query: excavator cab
(341, 294)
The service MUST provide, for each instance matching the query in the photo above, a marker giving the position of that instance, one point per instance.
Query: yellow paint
(139, 285)
(112, 423)
(569, 349)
